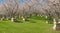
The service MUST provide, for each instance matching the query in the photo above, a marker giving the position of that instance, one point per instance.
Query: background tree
(11, 6)
(53, 8)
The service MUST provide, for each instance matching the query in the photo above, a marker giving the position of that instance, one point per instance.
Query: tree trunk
(8, 18)
(2, 18)
(24, 18)
(13, 19)
(56, 24)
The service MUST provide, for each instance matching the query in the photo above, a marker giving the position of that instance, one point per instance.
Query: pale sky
(21, 1)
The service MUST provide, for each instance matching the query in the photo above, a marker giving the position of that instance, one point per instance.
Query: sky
(21, 1)
(1, 1)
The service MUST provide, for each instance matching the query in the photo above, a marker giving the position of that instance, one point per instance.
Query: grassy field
(34, 25)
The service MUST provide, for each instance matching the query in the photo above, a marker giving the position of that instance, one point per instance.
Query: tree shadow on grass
(31, 21)
(18, 22)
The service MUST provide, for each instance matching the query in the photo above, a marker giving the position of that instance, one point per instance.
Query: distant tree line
(11, 9)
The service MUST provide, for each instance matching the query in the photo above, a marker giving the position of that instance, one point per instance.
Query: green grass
(35, 25)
